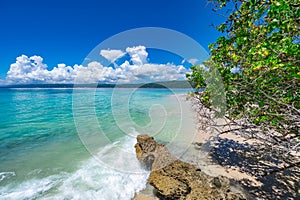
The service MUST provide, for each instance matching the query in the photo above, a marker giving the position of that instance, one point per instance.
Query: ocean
(79, 144)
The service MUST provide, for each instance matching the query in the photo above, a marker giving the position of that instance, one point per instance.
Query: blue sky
(64, 31)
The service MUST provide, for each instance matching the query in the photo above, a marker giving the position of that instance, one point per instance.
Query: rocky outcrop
(175, 179)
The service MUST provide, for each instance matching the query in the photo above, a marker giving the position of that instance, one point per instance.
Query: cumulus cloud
(112, 55)
(137, 54)
(136, 70)
(27, 69)
(152, 72)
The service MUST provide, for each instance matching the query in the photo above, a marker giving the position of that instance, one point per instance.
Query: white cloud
(33, 70)
(152, 72)
(112, 55)
(138, 54)
(94, 72)
(27, 69)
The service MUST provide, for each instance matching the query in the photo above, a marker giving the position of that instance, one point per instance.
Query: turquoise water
(79, 144)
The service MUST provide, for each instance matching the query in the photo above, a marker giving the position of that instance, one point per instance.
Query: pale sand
(198, 157)
(197, 154)
(202, 159)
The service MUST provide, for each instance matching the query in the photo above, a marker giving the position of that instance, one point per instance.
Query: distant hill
(167, 84)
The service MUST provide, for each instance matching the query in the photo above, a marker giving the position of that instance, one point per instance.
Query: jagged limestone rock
(175, 179)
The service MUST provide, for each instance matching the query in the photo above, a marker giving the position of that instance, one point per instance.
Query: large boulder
(175, 179)
(151, 154)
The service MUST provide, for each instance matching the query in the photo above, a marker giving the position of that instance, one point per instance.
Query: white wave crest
(92, 179)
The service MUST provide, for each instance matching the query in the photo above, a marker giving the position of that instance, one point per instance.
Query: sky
(47, 41)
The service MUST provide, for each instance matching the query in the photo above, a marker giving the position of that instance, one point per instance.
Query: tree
(258, 61)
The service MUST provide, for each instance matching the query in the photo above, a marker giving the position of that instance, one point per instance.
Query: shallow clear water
(79, 144)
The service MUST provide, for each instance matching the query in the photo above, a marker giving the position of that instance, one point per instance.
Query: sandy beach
(203, 152)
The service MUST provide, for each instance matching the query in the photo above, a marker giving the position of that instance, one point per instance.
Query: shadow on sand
(267, 165)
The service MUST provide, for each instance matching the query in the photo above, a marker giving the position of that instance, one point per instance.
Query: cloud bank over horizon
(136, 69)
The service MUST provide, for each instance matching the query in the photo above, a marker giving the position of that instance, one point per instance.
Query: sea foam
(114, 173)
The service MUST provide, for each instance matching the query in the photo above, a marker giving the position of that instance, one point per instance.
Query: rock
(175, 179)
(146, 143)
(152, 154)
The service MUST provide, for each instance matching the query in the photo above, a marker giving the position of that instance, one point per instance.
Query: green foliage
(261, 43)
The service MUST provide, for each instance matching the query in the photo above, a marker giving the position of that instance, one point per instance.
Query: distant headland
(167, 84)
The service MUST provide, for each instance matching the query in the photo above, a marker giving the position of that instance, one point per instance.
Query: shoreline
(204, 162)
(173, 178)
(205, 155)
